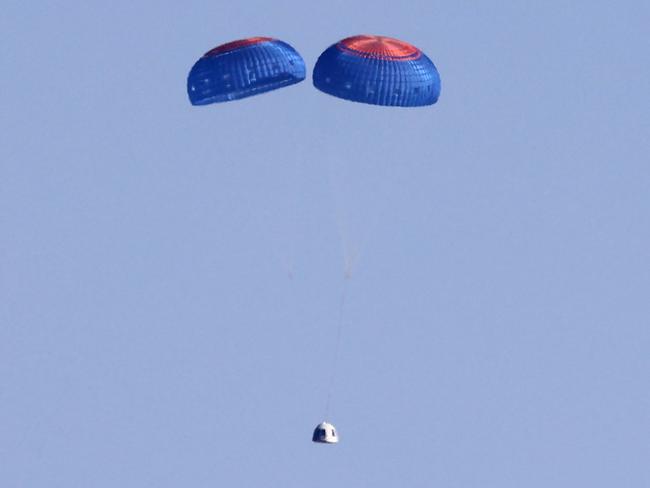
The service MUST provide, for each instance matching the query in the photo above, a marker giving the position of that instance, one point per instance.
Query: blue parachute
(377, 70)
(244, 68)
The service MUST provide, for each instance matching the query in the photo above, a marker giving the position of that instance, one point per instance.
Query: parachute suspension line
(336, 177)
(337, 346)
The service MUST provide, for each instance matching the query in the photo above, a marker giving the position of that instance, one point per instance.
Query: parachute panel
(377, 70)
(244, 68)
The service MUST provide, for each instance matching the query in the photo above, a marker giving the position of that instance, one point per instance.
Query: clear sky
(170, 275)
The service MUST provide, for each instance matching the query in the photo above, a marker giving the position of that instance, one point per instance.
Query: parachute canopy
(377, 70)
(243, 68)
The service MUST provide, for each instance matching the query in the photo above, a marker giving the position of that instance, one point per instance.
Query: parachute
(244, 68)
(377, 70)
(369, 69)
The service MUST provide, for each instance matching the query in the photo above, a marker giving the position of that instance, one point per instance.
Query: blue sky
(170, 275)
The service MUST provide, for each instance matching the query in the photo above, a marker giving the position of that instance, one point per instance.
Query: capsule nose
(325, 433)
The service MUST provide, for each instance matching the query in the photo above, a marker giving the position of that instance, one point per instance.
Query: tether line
(337, 346)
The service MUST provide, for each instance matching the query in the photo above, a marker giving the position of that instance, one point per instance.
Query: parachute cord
(342, 223)
(337, 346)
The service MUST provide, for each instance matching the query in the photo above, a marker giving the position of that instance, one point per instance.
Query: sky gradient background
(170, 275)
